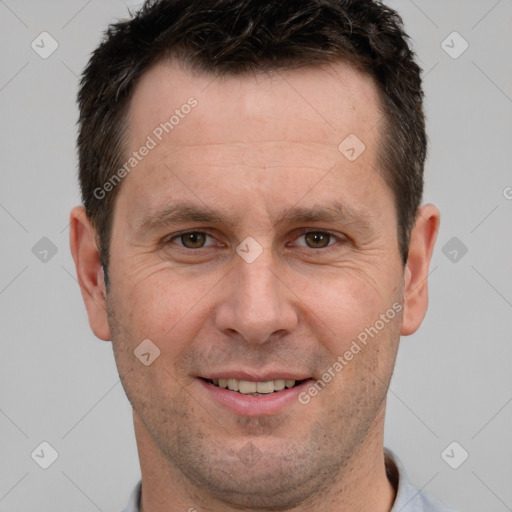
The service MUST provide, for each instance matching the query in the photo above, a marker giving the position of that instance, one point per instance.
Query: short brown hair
(233, 37)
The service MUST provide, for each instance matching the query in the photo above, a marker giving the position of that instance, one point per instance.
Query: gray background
(59, 384)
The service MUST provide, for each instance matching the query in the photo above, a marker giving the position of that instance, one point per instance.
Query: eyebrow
(331, 212)
(183, 212)
(179, 212)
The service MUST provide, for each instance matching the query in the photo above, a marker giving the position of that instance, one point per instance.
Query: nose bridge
(256, 305)
(257, 285)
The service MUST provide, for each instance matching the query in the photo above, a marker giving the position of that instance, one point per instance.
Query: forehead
(250, 131)
(325, 101)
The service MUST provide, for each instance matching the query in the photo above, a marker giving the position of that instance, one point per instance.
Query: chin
(266, 476)
(263, 486)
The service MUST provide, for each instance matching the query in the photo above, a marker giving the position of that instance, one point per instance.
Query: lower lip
(248, 405)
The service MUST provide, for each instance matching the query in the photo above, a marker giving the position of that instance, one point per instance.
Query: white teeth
(245, 387)
(265, 387)
(279, 384)
(248, 388)
(233, 384)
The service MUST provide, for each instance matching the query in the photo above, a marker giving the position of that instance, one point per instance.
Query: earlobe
(83, 245)
(421, 247)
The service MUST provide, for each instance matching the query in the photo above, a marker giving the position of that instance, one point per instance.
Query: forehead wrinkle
(256, 154)
(186, 155)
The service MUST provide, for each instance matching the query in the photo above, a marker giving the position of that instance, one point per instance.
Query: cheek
(168, 310)
(165, 305)
(349, 301)
(359, 330)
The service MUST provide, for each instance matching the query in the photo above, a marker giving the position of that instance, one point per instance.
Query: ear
(423, 237)
(82, 241)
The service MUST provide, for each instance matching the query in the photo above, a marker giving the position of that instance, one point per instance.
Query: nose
(257, 306)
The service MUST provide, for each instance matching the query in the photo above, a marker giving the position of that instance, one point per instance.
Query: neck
(362, 485)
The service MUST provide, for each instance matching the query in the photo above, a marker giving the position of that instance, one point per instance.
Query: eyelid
(304, 231)
(168, 239)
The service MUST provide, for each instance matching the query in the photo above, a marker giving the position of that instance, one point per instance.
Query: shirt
(408, 498)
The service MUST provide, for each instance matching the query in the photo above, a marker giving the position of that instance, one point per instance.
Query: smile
(246, 387)
(251, 398)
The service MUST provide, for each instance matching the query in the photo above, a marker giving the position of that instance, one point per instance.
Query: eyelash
(337, 239)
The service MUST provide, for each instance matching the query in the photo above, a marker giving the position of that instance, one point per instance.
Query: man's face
(317, 264)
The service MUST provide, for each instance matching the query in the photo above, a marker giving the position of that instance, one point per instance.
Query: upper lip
(254, 376)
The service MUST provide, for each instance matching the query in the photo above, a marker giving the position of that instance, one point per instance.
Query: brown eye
(194, 240)
(317, 240)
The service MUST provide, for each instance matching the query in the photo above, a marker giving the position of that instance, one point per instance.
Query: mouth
(268, 396)
(261, 388)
